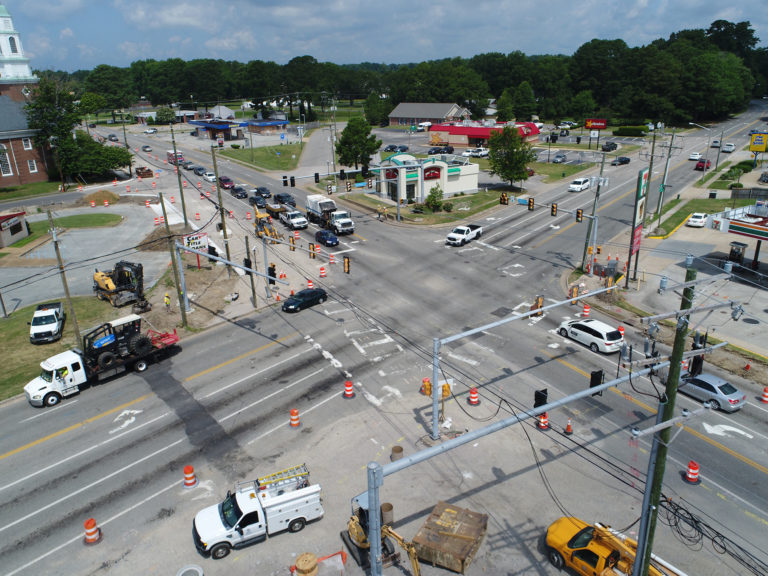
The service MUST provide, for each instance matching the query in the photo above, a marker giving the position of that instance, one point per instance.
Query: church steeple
(14, 66)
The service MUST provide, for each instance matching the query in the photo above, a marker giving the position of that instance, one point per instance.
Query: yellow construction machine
(264, 226)
(122, 285)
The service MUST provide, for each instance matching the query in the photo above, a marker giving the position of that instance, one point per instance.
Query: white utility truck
(323, 211)
(108, 350)
(284, 500)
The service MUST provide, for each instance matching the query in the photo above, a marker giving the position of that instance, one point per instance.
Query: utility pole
(592, 220)
(178, 177)
(717, 161)
(663, 186)
(252, 258)
(673, 378)
(63, 280)
(221, 210)
(174, 264)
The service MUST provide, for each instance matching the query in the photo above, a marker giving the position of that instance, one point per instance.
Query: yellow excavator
(263, 226)
(122, 285)
(356, 539)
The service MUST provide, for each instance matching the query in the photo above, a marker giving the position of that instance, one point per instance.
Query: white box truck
(284, 500)
(323, 211)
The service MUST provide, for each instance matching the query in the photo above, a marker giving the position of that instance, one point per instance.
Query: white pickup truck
(47, 323)
(284, 500)
(463, 234)
(294, 219)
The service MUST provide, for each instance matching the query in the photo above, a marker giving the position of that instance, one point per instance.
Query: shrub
(435, 199)
(736, 185)
(637, 131)
(235, 146)
(448, 206)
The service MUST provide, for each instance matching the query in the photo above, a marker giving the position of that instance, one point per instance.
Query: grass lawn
(706, 205)
(284, 157)
(40, 229)
(24, 363)
(34, 189)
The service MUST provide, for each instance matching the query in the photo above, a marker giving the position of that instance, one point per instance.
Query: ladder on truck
(277, 483)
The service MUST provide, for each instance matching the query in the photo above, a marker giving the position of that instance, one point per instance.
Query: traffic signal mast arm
(554, 208)
(690, 354)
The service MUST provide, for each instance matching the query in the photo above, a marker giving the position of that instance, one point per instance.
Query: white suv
(579, 184)
(599, 336)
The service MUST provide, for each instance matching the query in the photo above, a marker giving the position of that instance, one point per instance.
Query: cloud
(134, 50)
(66, 33)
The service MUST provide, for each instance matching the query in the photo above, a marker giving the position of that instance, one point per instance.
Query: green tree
(524, 102)
(95, 159)
(377, 109)
(91, 103)
(356, 144)
(114, 84)
(164, 116)
(505, 107)
(434, 200)
(52, 113)
(509, 155)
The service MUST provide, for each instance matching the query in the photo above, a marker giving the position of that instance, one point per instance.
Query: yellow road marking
(74, 427)
(697, 434)
(236, 358)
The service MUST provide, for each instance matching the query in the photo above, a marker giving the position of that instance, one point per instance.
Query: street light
(709, 137)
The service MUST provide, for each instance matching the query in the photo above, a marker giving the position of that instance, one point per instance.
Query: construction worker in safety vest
(167, 300)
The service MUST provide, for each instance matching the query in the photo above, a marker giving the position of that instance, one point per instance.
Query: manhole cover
(750, 321)
(190, 571)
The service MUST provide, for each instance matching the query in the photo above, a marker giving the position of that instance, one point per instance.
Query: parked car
(326, 237)
(258, 201)
(700, 164)
(226, 182)
(199, 170)
(764, 178)
(209, 176)
(446, 150)
(468, 152)
(262, 191)
(620, 161)
(697, 220)
(695, 156)
(728, 147)
(598, 336)
(285, 198)
(402, 148)
(304, 299)
(560, 158)
(239, 192)
(146, 148)
(390, 148)
(579, 184)
(434, 150)
(480, 153)
(721, 394)
(610, 146)
(150, 131)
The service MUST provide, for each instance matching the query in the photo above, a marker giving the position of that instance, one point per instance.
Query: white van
(579, 184)
(425, 124)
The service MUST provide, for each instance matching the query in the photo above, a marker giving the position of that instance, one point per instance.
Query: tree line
(694, 75)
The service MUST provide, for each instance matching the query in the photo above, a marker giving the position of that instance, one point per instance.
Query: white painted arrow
(723, 429)
(128, 417)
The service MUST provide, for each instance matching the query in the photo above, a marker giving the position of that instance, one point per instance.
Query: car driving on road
(326, 237)
(304, 299)
(721, 394)
(620, 161)
(598, 336)
(695, 156)
(239, 192)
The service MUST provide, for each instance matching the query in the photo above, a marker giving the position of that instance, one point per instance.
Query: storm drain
(191, 570)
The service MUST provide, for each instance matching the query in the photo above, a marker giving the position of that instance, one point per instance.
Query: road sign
(196, 241)
(596, 123)
(282, 135)
(757, 142)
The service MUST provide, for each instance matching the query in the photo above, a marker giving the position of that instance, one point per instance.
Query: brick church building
(21, 162)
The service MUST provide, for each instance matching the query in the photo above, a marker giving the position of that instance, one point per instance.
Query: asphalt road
(116, 451)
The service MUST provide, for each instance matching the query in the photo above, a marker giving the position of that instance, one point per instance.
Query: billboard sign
(596, 123)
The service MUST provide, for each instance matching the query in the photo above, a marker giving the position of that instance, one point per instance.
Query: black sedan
(239, 192)
(199, 170)
(620, 161)
(610, 146)
(390, 148)
(326, 237)
(402, 148)
(258, 201)
(434, 150)
(305, 299)
(262, 191)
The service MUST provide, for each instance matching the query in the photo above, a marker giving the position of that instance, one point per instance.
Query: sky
(81, 34)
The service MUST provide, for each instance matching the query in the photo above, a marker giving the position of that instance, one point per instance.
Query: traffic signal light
(285, 180)
(292, 243)
(311, 249)
(317, 177)
(530, 203)
(599, 249)
(697, 362)
(213, 252)
(365, 171)
(596, 379)
(539, 398)
(346, 264)
(293, 182)
(271, 272)
(342, 176)
(579, 214)
(247, 264)
(553, 209)
(369, 183)
(329, 189)
(349, 186)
